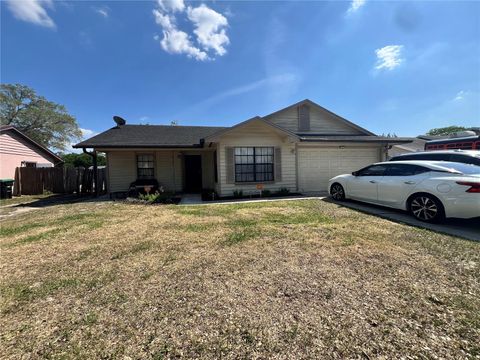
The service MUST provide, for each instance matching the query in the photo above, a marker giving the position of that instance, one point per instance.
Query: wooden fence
(58, 180)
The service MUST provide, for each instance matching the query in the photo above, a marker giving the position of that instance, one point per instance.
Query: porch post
(95, 172)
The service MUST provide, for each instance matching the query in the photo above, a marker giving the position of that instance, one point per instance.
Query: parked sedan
(429, 190)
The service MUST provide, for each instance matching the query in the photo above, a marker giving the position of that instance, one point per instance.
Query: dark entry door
(193, 173)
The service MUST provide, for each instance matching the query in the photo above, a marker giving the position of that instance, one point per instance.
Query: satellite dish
(120, 121)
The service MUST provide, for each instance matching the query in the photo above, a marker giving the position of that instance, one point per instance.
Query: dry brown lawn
(296, 279)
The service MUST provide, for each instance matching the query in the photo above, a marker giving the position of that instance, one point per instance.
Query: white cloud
(389, 57)
(355, 5)
(171, 5)
(167, 22)
(209, 28)
(178, 42)
(460, 96)
(87, 133)
(103, 11)
(32, 11)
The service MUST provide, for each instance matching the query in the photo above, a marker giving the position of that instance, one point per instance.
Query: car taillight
(474, 186)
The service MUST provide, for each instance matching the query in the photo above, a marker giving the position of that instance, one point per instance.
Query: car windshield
(460, 167)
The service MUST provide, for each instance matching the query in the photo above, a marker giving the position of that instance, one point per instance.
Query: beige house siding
(256, 134)
(321, 121)
(168, 169)
(208, 170)
(122, 168)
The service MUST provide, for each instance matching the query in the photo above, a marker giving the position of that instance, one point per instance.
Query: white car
(429, 190)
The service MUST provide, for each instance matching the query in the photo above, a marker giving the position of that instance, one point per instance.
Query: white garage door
(318, 165)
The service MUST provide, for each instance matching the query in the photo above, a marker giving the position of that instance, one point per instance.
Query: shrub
(237, 194)
(163, 197)
(266, 193)
(283, 192)
(151, 198)
(209, 195)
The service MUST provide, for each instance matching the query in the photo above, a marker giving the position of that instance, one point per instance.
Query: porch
(176, 170)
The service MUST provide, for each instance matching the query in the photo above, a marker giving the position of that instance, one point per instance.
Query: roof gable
(257, 119)
(40, 148)
(322, 121)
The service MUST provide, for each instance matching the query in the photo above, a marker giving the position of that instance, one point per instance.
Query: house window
(145, 167)
(253, 164)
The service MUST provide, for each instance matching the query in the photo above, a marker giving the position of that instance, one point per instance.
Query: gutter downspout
(93, 154)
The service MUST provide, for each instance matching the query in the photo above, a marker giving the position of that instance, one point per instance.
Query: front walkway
(196, 199)
(191, 199)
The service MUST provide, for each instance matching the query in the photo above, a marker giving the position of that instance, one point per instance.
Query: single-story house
(298, 148)
(18, 150)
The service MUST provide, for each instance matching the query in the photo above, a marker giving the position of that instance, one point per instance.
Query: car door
(398, 182)
(363, 186)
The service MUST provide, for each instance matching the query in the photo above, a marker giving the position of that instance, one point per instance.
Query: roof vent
(120, 121)
(304, 118)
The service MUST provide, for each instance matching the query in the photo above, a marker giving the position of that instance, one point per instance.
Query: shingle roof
(151, 136)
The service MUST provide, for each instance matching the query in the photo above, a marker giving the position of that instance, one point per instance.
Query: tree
(449, 130)
(44, 121)
(83, 160)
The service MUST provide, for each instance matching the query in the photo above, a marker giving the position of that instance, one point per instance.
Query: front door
(193, 173)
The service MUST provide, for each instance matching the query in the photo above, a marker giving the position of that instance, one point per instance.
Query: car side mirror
(355, 173)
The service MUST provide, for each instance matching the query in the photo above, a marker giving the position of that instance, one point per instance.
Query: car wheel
(337, 192)
(426, 208)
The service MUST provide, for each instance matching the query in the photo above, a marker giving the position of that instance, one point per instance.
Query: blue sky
(399, 67)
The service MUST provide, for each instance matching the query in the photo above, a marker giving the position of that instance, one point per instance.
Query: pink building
(18, 150)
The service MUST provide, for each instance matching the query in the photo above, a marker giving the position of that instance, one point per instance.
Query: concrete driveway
(467, 229)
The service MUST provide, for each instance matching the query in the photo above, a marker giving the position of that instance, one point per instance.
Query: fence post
(17, 185)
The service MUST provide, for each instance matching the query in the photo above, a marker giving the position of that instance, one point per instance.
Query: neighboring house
(417, 144)
(299, 148)
(18, 150)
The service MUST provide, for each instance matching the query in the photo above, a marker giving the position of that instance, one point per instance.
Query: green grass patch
(347, 240)
(90, 318)
(199, 227)
(207, 210)
(240, 235)
(296, 218)
(63, 224)
(135, 249)
(37, 237)
(243, 222)
(21, 292)
(75, 218)
(15, 230)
